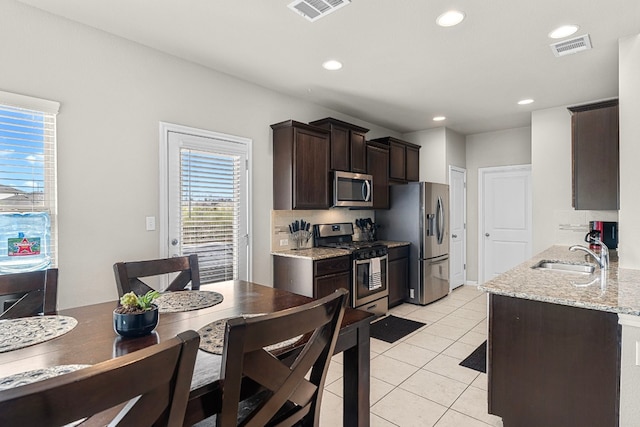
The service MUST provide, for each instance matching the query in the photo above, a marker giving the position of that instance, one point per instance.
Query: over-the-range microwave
(353, 190)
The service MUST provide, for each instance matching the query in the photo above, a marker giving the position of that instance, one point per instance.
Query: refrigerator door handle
(440, 220)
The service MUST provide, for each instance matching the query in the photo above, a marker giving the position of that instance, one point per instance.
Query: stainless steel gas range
(369, 289)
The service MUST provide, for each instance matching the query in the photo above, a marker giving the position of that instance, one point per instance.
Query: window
(207, 200)
(28, 212)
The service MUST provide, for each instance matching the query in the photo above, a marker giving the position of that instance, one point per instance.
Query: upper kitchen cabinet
(300, 166)
(404, 160)
(348, 145)
(595, 156)
(378, 167)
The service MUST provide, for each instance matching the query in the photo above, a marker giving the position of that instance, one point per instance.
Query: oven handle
(368, 260)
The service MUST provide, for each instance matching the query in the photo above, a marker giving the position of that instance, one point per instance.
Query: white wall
(113, 94)
(629, 250)
(502, 148)
(456, 150)
(433, 156)
(629, 82)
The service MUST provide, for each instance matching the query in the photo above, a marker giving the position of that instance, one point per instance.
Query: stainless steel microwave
(353, 190)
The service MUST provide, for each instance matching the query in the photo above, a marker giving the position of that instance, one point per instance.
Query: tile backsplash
(280, 221)
(572, 225)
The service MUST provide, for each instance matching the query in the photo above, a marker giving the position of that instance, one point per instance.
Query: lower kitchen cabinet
(312, 278)
(398, 274)
(551, 364)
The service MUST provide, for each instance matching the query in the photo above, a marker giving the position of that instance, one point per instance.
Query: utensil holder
(300, 239)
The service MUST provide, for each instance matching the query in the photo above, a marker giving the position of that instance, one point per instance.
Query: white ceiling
(400, 68)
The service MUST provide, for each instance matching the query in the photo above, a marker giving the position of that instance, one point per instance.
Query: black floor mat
(391, 328)
(478, 359)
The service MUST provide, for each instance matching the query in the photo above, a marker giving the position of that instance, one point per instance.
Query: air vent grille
(571, 46)
(316, 9)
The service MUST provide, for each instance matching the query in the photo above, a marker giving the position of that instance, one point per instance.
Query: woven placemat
(29, 377)
(173, 302)
(26, 331)
(212, 336)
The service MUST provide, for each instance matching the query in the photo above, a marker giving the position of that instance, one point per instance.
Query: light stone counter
(616, 291)
(312, 253)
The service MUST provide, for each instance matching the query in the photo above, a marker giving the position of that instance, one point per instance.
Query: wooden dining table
(93, 340)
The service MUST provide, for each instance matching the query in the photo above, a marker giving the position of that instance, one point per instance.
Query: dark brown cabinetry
(378, 167)
(348, 144)
(404, 160)
(301, 178)
(595, 156)
(552, 365)
(313, 278)
(398, 274)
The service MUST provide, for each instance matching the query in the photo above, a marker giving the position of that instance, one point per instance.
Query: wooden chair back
(160, 375)
(128, 274)
(28, 294)
(287, 397)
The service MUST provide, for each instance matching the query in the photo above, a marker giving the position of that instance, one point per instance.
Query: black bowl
(135, 325)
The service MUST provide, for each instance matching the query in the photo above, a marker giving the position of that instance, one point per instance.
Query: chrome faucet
(602, 259)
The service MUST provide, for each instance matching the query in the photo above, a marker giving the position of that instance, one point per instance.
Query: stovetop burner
(339, 236)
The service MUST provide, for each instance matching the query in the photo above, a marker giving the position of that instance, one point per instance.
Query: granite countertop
(324, 253)
(616, 289)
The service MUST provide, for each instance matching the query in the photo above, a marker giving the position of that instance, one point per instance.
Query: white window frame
(44, 106)
(165, 129)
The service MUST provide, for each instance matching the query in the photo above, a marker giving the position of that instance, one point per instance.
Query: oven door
(365, 287)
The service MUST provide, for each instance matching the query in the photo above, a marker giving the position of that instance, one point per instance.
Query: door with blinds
(208, 206)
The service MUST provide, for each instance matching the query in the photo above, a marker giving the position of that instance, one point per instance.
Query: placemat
(212, 336)
(173, 302)
(29, 377)
(26, 331)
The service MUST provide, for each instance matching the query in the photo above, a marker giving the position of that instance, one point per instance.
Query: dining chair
(149, 387)
(28, 294)
(291, 387)
(128, 274)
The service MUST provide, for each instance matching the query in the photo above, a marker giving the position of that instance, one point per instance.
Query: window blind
(27, 173)
(210, 211)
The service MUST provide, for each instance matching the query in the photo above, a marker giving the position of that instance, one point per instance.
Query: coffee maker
(608, 233)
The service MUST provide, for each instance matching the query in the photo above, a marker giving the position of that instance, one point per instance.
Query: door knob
(486, 234)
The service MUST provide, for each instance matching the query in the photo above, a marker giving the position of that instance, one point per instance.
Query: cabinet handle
(455, 236)
(486, 234)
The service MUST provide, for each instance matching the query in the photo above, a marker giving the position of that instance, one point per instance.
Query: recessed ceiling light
(563, 31)
(450, 18)
(332, 65)
(439, 118)
(525, 101)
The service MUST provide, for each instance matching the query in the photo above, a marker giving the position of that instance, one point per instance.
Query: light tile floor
(417, 381)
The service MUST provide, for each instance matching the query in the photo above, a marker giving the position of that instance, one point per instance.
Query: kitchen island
(554, 342)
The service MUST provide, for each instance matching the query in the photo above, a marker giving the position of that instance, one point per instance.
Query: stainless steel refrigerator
(419, 214)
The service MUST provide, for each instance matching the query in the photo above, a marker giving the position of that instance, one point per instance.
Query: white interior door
(457, 224)
(206, 201)
(505, 219)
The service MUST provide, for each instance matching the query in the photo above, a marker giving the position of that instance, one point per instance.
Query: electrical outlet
(284, 242)
(411, 293)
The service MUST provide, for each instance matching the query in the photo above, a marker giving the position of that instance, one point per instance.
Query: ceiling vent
(316, 9)
(571, 46)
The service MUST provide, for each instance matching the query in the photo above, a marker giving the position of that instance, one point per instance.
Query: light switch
(151, 223)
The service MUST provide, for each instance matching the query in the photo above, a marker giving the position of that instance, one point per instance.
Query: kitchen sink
(566, 267)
